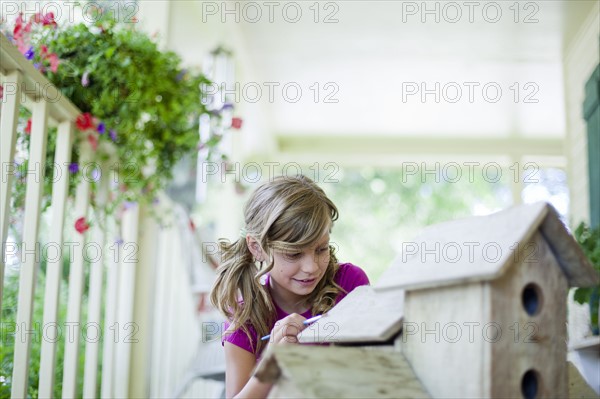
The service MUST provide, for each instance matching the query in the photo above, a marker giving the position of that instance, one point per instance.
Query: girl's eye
(321, 250)
(294, 256)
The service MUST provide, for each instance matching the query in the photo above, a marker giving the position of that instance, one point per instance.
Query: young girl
(286, 240)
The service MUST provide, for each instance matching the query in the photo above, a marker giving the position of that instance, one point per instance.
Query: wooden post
(30, 249)
(76, 282)
(60, 191)
(8, 137)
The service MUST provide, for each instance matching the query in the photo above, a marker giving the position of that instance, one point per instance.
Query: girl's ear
(254, 248)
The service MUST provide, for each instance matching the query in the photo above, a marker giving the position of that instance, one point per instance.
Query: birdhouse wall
(443, 339)
(529, 303)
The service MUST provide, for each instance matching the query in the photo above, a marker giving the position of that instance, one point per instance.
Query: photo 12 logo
(72, 11)
(270, 11)
(470, 11)
(253, 92)
(471, 92)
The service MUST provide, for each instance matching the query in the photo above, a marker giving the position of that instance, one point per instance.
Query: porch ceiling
(379, 50)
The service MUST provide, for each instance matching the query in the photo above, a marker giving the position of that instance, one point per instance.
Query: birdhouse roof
(482, 248)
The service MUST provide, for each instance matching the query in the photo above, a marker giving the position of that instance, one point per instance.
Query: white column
(93, 331)
(127, 329)
(110, 316)
(30, 249)
(8, 138)
(60, 191)
(72, 326)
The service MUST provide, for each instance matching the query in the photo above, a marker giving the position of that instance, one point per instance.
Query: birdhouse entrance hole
(530, 384)
(532, 299)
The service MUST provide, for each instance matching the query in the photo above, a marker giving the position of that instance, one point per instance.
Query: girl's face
(296, 274)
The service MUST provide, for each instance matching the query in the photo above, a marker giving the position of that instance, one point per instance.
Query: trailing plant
(589, 240)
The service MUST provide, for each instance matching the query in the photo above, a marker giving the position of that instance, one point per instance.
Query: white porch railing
(151, 327)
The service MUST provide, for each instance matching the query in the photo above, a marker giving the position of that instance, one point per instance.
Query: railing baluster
(127, 284)
(110, 318)
(76, 274)
(60, 192)
(8, 137)
(30, 248)
(92, 346)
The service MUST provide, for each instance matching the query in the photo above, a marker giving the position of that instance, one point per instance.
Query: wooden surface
(578, 388)
(338, 372)
(532, 342)
(364, 315)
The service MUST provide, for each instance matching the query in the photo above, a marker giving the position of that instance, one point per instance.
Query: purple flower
(73, 167)
(181, 75)
(29, 54)
(113, 134)
(227, 106)
(128, 204)
(119, 241)
(101, 128)
(37, 65)
(85, 81)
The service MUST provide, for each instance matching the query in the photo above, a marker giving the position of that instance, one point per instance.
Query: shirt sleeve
(349, 277)
(239, 338)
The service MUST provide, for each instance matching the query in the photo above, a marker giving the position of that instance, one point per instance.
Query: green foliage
(589, 240)
(136, 89)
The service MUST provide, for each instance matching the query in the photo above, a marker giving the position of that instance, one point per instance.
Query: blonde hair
(285, 214)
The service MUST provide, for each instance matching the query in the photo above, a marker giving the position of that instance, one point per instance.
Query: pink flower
(93, 140)
(28, 127)
(54, 61)
(236, 123)
(81, 225)
(1, 92)
(45, 20)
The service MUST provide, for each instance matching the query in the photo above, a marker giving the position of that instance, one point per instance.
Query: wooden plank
(338, 372)
(30, 249)
(60, 192)
(76, 284)
(465, 250)
(127, 275)
(8, 137)
(92, 344)
(578, 388)
(139, 383)
(364, 315)
(110, 318)
(443, 339)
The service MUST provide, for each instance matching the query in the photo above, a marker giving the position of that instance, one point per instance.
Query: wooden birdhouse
(482, 307)
(485, 305)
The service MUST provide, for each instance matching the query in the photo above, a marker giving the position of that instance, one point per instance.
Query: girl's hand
(287, 329)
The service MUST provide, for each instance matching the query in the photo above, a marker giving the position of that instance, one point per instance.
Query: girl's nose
(310, 264)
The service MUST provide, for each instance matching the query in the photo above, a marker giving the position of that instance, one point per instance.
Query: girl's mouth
(306, 282)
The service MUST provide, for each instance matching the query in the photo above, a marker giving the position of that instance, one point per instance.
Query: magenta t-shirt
(348, 277)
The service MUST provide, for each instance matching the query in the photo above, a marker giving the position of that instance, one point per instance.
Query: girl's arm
(239, 364)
